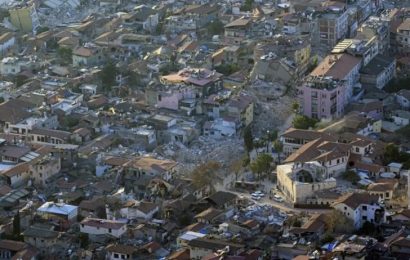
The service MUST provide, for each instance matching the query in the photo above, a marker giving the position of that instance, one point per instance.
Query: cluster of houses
(94, 93)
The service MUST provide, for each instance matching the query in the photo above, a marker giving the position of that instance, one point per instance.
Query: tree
(303, 122)
(1, 100)
(16, 225)
(83, 237)
(215, 27)
(294, 221)
(368, 229)
(134, 79)
(391, 153)
(351, 176)
(65, 55)
(227, 69)
(236, 167)
(247, 6)
(398, 84)
(262, 164)
(278, 148)
(248, 139)
(337, 222)
(108, 74)
(295, 107)
(20, 80)
(205, 174)
(327, 238)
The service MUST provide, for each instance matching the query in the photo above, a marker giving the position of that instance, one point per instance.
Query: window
(82, 225)
(387, 195)
(109, 230)
(364, 217)
(116, 256)
(338, 161)
(357, 149)
(364, 207)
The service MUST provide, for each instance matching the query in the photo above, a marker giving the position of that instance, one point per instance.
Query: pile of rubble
(272, 106)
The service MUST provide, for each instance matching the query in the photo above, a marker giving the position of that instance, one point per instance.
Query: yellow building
(25, 18)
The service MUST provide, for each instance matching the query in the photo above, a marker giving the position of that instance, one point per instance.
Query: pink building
(323, 97)
(329, 87)
(170, 99)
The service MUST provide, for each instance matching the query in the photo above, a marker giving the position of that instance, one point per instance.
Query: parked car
(278, 198)
(256, 197)
(258, 193)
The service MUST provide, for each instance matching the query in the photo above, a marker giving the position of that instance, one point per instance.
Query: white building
(10, 66)
(62, 213)
(118, 251)
(300, 181)
(361, 207)
(95, 226)
(139, 210)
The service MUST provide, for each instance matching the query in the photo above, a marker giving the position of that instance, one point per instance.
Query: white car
(256, 197)
(258, 193)
(278, 198)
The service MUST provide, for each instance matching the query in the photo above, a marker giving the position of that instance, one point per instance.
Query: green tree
(16, 224)
(65, 55)
(20, 80)
(368, 229)
(278, 148)
(262, 164)
(134, 79)
(107, 75)
(248, 139)
(351, 176)
(247, 6)
(295, 107)
(205, 174)
(227, 69)
(398, 84)
(84, 241)
(215, 27)
(391, 154)
(327, 238)
(1, 100)
(303, 122)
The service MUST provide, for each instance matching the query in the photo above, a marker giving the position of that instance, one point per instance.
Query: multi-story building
(25, 18)
(380, 70)
(403, 37)
(238, 30)
(343, 67)
(333, 24)
(323, 97)
(376, 26)
(361, 208)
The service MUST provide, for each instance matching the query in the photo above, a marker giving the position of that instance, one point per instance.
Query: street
(228, 183)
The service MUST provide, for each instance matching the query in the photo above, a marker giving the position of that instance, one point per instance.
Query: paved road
(267, 186)
(280, 205)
